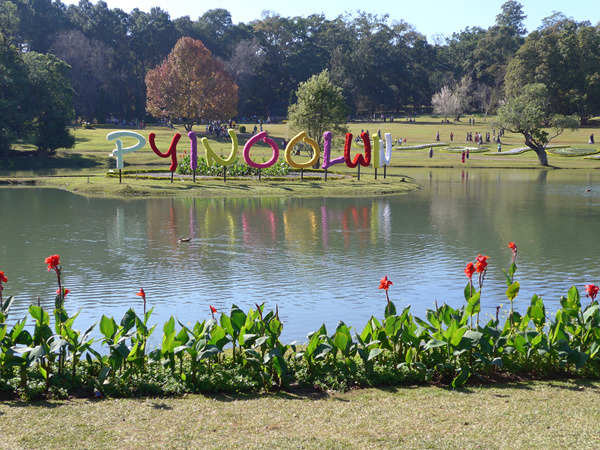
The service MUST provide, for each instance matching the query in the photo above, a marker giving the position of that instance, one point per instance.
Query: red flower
(481, 264)
(212, 309)
(470, 269)
(512, 246)
(385, 283)
(3, 279)
(65, 292)
(592, 291)
(142, 294)
(52, 262)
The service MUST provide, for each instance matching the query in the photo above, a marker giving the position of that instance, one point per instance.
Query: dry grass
(521, 415)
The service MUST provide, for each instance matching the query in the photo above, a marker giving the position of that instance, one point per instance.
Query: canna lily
(385, 283)
(513, 247)
(53, 262)
(481, 264)
(470, 270)
(65, 292)
(213, 310)
(3, 279)
(143, 295)
(592, 291)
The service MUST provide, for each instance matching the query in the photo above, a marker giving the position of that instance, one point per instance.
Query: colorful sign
(376, 153)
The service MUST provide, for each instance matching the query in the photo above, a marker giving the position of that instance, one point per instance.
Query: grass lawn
(91, 152)
(551, 414)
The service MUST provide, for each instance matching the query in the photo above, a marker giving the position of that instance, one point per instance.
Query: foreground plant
(385, 285)
(247, 346)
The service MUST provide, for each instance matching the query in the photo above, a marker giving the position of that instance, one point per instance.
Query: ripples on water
(319, 260)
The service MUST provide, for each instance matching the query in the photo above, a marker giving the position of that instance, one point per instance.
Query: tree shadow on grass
(162, 406)
(36, 404)
(288, 394)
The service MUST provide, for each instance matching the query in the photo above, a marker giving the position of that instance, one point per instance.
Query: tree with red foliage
(191, 85)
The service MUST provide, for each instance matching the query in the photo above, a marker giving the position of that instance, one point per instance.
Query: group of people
(217, 128)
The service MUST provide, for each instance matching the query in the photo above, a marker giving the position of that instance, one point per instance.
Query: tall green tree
(527, 112)
(563, 55)
(512, 16)
(320, 107)
(50, 98)
(14, 101)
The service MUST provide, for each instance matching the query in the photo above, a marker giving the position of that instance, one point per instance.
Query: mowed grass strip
(551, 414)
(90, 154)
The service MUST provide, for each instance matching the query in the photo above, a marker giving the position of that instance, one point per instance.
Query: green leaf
(512, 270)
(474, 304)
(321, 351)
(409, 356)
(434, 343)
(238, 318)
(341, 341)
(457, 336)
(169, 327)
(393, 326)
(390, 310)
(374, 353)
(108, 327)
(462, 377)
(589, 313)
(513, 290)
(469, 291)
(128, 320)
(103, 374)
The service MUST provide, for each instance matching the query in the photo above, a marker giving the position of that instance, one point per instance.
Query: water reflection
(318, 259)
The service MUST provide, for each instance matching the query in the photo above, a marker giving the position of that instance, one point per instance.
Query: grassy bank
(553, 414)
(154, 187)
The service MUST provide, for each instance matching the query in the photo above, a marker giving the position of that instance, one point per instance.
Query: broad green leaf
(513, 290)
(341, 340)
(462, 377)
(238, 318)
(469, 291)
(434, 343)
(374, 353)
(457, 336)
(390, 309)
(103, 374)
(169, 327)
(321, 351)
(108, 327)
(589, 313)
(474, 304)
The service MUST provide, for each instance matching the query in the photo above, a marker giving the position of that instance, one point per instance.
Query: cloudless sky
(430, 17)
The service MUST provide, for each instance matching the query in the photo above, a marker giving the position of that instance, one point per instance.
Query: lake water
(319, 259)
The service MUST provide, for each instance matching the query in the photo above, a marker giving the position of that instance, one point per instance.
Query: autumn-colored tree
(191, 85)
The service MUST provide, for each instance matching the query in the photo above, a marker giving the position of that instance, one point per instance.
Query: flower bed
(514, 151)
(242, 350)
(460, 149)
(420, 147)
(571, 151)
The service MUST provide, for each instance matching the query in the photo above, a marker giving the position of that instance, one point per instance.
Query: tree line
(383, 66)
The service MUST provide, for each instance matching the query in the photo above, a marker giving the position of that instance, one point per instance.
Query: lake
(318, 259)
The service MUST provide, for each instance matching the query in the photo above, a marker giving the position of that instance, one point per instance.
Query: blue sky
(430, 17)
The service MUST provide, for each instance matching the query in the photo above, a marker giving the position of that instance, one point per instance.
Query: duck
(180, 240)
